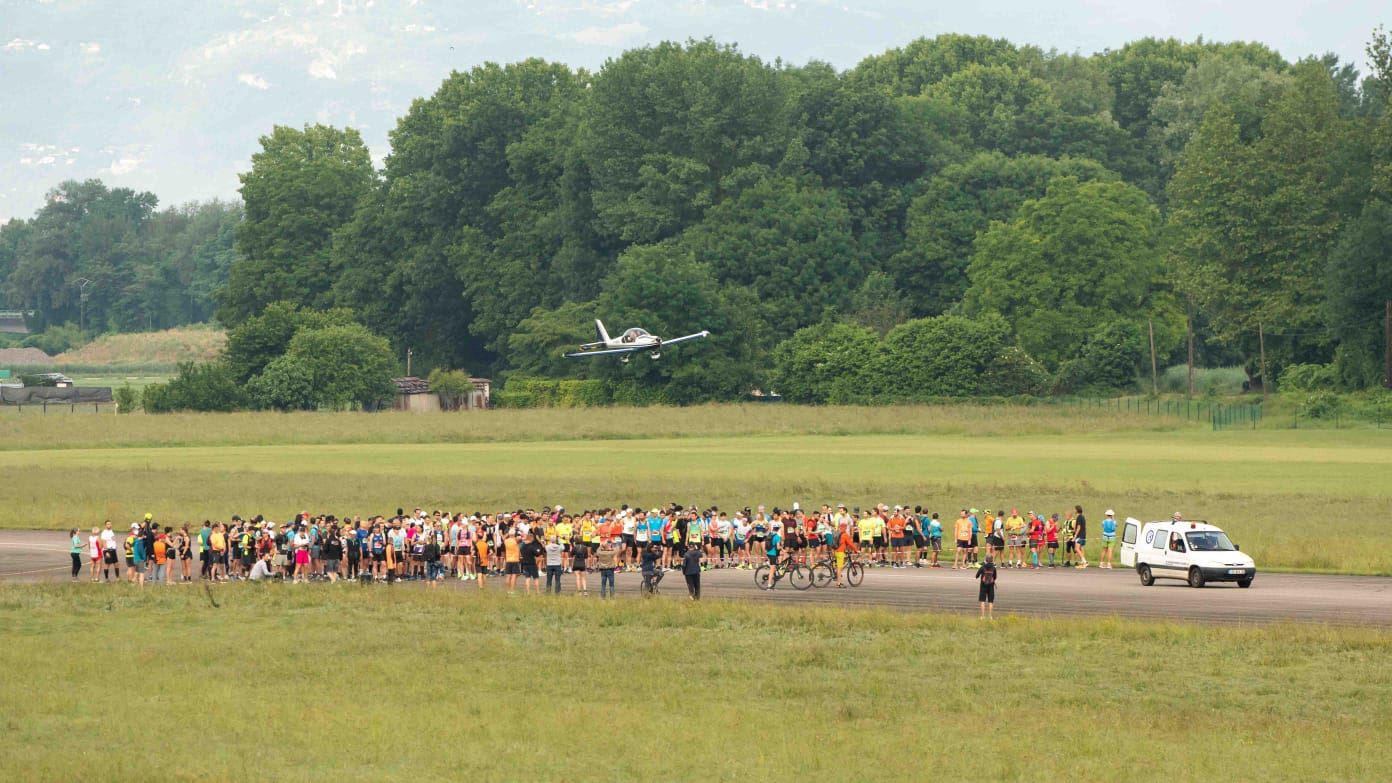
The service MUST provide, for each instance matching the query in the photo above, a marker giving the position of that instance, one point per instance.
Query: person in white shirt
(110, 560)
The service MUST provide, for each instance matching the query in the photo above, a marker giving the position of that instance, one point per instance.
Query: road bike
(824, 572)
(799, 576)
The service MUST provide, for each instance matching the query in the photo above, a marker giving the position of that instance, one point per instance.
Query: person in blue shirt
(1109, 527)
(140, 557)
(775, 546)
(935, 538)
(976, 533)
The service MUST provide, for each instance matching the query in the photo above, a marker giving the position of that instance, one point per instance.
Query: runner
(1051, 537)
(962, 532)
(935, 538)
(94, 552)
(1016, 539)
(1080, 536)
(75, 547)
(110, 560)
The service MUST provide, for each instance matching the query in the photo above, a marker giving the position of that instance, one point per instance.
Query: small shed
(413, 394)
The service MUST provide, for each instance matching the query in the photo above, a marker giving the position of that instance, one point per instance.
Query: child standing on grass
(986, 594)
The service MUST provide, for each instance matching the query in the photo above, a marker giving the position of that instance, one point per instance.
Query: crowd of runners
(522, 546)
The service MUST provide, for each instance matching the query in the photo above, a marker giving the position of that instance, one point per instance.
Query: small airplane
(630, 342)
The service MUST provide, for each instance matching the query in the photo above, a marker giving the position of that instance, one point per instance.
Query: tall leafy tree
(667, 125)
(956, 206)
(1085, 253)
(303, 185)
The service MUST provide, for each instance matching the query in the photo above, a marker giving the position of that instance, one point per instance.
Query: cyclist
(845, 545)
(773, 548)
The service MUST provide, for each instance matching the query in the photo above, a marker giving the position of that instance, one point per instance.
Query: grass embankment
(1301, 500)
(345, 683)
(167, 347)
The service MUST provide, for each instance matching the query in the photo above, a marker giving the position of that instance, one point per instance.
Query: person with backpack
(1109, 528)
(986, 594)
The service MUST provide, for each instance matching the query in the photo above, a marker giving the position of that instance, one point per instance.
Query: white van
(1192, 550)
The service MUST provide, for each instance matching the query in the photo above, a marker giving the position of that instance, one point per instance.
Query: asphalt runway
(39, 556)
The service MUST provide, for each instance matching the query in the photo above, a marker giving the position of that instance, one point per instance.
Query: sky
(171, 96)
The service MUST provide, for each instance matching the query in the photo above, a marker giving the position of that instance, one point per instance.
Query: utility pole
(1261, 339)
(1190, 324)
(409, 352)
(1154, 381)
(82, 284)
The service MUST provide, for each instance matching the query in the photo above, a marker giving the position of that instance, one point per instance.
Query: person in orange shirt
(512, 560)
(962, 532)
(161, 558)
(898, 543)
(845, 544)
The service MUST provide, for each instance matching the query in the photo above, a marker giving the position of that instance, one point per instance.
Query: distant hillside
(191, 343)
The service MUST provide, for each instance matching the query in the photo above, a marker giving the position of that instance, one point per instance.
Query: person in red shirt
(1036, 536)
(898, 543)
(1051, 537)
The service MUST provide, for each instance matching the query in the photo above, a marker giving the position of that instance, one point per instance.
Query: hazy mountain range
(172, 96)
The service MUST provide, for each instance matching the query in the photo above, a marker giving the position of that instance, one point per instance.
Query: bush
(1015, 373)
(453, 387)
(1309, 378)
(1207, 380)
(209, 386)
(946, 356)
(1321, 405)
(345, 365)
(55, 339)
(826, 362)
(284, 385)
(523, 391)
(127, 398)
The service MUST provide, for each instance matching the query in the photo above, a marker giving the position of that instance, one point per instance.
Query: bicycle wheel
(822, 574)
(800, 576)
(854, 574)
(761, 577)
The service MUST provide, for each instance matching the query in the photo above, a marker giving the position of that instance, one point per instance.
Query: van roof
(1185, 524)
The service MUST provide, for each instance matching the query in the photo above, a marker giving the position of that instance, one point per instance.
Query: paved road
(42, 556)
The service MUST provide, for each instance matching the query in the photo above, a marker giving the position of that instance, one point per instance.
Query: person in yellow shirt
(512, 560)
(564, 530)
(217, 543)
(1015, 540)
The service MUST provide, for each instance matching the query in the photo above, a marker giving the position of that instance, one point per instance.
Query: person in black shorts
(986, 594)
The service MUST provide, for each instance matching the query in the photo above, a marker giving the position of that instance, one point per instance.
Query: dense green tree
(829, 362)
(303, 185)
(1359, 284)
(960, 203)
(255, 342)
(1083, 254)
(1221, 79)
(667, 125)
(1252, 224)
(206, 386)
(945, 356)
(879, 304)
(789, 243)
(284, 384)
(537, 346)
(347, 365)
(912, 69)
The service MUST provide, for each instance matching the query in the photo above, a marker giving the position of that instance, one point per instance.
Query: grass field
(346, 683)
(1298, 500)
(184, 344)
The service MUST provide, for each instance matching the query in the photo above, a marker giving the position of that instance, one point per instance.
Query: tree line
(961, 214)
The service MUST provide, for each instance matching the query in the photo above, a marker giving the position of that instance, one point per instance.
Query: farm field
(574, 673)
(1296, 500)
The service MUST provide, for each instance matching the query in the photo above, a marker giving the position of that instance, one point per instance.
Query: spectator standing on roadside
(607, 560)
(986, 594)
(1109, 527)
(555, 564)
(75, 552)
(691, 569)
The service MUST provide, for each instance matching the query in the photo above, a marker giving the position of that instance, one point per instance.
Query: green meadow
(1294, 499)
(333, 683)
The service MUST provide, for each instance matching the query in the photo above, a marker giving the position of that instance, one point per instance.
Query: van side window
(1159, 542)
(1176, 543)
(1128, 535)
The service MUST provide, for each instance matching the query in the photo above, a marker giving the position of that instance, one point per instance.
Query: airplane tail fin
(599, 328)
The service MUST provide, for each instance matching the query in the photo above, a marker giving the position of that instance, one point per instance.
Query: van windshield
(1210, 541)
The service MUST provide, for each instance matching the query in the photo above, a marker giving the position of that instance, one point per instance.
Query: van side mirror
(1237, 547)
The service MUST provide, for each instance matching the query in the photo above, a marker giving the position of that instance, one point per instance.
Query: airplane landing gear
(625, 358)
(655, 354)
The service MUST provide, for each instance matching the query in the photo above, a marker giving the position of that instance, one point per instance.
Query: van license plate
(1237, 571)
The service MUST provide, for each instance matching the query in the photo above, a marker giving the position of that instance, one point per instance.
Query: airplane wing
(607, 352)
(689, 337)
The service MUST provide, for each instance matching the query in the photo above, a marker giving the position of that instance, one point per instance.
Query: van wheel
(1147, 578)
(1244, 583)
(1196, 577)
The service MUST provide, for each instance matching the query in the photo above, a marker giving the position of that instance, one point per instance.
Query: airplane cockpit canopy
(633, 335)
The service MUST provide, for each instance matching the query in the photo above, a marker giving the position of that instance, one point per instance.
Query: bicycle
(799, 576)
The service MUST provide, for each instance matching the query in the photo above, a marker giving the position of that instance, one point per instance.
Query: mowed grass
(350, 683)
(1318, 501)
